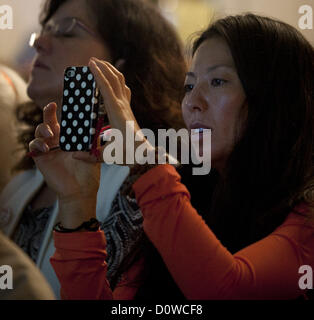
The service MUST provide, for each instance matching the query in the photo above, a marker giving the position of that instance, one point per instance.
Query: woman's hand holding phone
(117, 97)
(75, 182)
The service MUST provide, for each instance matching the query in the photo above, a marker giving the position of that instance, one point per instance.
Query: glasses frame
(54, 30)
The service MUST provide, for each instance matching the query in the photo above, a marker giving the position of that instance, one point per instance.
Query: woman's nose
(41, 42)
(196, 101)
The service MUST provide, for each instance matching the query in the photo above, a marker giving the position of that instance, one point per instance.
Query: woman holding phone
(251, 82)
(133, 36)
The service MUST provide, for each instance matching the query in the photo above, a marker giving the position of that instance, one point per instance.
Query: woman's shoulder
(302, 214)
(298, 225)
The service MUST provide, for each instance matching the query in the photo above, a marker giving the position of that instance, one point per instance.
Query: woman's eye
(68, 35)
(64, 34)
(218, 82)
(188, 88)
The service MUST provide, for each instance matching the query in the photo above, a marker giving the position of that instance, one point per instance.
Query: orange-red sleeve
(79, 262)
(201, 266)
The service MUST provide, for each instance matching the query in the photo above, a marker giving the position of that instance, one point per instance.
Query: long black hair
(270, 170)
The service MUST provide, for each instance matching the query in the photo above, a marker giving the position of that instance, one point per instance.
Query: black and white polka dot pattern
(79, 110)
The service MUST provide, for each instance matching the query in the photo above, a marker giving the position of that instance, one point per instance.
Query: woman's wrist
(76, 209)
(137, 170)
(87, 226)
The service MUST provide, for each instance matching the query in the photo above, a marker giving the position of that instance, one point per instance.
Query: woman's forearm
(80, 265)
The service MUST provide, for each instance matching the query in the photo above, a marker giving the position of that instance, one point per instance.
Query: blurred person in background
(12, 94)
(27, 281)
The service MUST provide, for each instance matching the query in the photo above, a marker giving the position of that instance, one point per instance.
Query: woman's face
(54, 54)
(214, 98)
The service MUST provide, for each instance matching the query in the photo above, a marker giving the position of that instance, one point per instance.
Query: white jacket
(21, 189)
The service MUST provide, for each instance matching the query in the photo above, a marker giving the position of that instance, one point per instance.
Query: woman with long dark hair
(251, 83)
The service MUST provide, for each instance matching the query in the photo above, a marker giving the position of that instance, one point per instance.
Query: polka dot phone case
(79, 113)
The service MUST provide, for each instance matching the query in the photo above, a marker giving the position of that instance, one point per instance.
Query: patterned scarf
(123, 228)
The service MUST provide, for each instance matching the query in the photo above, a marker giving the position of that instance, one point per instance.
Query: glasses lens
(64, 26)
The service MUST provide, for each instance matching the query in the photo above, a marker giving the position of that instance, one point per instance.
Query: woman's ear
(119, 64)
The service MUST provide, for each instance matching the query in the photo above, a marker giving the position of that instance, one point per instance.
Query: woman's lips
(199, 130)
(41, 65)
(198, 133)
(198, 125)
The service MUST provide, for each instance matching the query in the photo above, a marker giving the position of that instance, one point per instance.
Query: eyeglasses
(61, 28)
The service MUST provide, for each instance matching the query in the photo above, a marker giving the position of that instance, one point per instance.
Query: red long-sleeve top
(201, 266)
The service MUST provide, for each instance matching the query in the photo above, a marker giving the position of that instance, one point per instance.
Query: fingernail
(44, 148)
(92, 62)
(106, 135)
(48, 133)
(48, 105)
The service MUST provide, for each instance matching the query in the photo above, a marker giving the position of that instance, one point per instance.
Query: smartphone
(80, 109)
